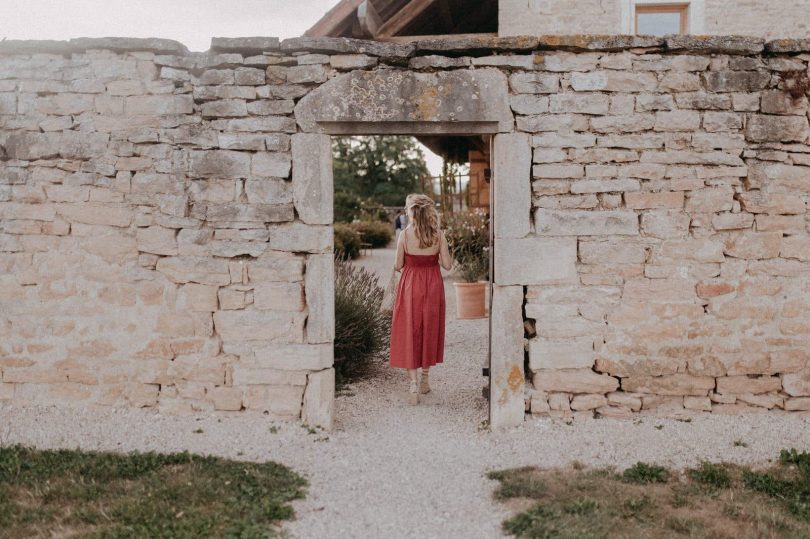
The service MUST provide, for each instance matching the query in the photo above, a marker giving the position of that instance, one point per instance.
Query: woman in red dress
(417, 326)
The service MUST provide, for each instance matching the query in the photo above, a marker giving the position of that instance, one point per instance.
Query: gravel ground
(388, 469)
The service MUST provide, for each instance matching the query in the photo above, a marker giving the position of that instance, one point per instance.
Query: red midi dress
(417, 326)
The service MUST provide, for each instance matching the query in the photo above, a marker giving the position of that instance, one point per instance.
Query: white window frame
(696, 14)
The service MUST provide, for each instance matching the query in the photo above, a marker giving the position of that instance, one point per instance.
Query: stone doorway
(399, 102)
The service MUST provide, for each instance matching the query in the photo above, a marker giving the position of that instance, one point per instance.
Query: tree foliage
(375, 169)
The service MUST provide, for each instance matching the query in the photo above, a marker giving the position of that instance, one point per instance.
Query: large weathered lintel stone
(345, 45)
(410, 101)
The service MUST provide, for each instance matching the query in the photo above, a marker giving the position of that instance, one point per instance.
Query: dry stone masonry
(165, 217)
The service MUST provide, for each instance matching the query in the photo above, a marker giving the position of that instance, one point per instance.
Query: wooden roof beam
(370, 20)
(404, 17)
(334, 18)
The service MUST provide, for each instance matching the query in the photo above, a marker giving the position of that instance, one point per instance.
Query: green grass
(710, 501)
(109, 495)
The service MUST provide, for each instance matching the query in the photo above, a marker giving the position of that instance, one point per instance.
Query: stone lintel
(401, 101)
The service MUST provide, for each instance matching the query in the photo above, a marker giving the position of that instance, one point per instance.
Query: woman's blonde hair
(425, 219)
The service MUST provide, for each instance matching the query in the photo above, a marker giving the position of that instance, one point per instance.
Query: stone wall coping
(81, 44)
(466, 45)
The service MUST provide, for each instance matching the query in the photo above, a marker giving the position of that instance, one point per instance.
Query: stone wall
(165, 233)
(769, 19)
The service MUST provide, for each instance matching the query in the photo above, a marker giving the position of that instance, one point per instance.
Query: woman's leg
(413, 395)
(424, 385)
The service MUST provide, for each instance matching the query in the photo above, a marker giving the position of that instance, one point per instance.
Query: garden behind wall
(165, 217)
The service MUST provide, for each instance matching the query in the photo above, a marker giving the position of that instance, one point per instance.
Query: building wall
(768, 19)
(164, 236)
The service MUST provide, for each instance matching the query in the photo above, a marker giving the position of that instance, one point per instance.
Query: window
(662, 19)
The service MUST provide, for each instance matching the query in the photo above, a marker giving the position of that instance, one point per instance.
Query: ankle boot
(424, 385)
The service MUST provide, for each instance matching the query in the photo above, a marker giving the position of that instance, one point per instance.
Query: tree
(379, 169)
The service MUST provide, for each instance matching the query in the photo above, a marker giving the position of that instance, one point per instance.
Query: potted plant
(468, 239)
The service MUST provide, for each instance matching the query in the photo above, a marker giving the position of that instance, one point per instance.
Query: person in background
(400, 223)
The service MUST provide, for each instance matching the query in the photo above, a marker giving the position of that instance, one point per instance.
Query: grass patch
(710, 501)
(88, 494)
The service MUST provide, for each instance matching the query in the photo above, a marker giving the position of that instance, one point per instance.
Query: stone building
(404, 19)
(166, 217)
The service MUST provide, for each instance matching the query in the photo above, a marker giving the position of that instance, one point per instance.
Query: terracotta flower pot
(471, 300)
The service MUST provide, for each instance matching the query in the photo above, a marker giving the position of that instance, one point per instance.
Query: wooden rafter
(334, 18)
(404, 17)
(369, 19)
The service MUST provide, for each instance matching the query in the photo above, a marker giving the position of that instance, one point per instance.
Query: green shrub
(375, 233)
(347, 206)
(361, 328)
(347, 242)
(468, 240)
(645, 473)
(713, 475)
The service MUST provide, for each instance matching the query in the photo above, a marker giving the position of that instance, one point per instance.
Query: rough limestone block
(574, 381)
(512, 184)
(585, 223)
(227, 398)
(532, 260)
(320, 295)
(780, 129)
(219, 164)
(281, 401)
(506, 364)
(267, 326)
(278, 297)
(157, 240)
(671, 384)
(302, 238)
(271, 164)
(319, 399)
(588, 402)
(293, 357)
(737, 385)
(313, 189)
(571, 353)
(158, 105)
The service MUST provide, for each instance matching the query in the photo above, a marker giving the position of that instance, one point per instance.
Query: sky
(191, 22)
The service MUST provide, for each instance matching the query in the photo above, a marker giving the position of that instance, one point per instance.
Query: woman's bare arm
(399, 262)
(445, 259)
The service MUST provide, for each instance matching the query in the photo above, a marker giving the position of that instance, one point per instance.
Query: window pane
(659, 24)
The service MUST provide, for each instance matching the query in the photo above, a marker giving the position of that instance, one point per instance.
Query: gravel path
(392, 470)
